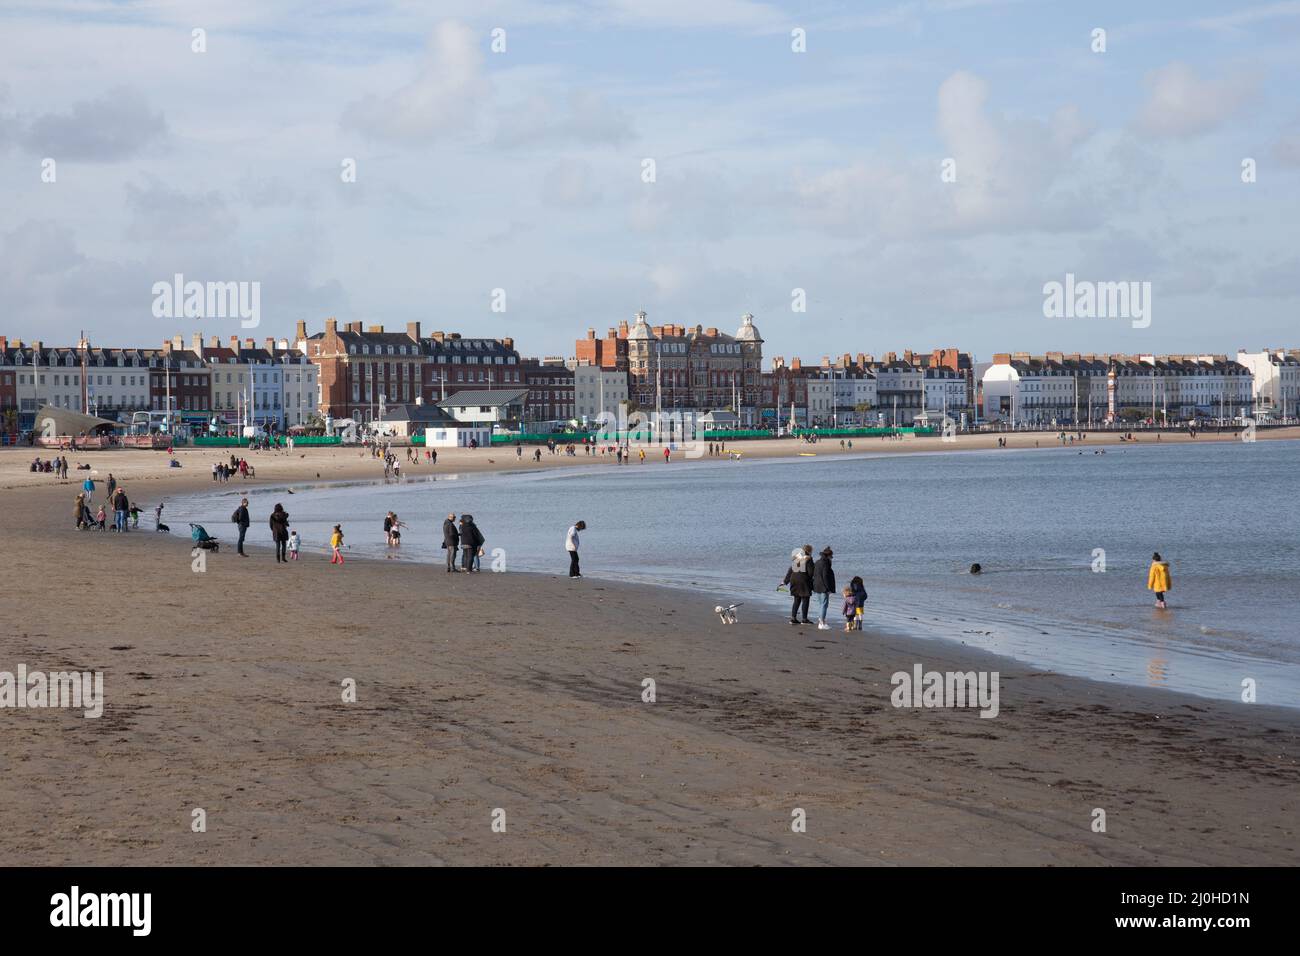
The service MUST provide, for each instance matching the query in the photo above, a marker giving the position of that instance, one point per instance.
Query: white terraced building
(1275, 375)
(1056, 389)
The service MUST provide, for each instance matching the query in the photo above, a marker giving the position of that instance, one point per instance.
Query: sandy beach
(523, 693)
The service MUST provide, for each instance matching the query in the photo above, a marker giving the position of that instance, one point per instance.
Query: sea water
(1064, 536)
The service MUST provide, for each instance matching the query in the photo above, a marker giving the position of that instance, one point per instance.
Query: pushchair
(202, 539)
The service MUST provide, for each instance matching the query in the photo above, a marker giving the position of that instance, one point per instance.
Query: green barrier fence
(229, 441)
(720, 434)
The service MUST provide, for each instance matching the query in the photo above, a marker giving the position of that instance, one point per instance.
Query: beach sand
(523, 692)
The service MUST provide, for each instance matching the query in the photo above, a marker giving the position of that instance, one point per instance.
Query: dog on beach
(163, 527)
(727, 614)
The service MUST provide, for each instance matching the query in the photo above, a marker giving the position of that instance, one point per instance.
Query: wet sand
(524, 693)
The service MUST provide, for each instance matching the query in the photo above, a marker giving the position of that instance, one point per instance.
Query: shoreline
(344, 462)
(523, 691)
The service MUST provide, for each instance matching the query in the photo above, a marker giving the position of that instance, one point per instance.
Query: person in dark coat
(471, 539)
(823, 586)
(240, 517)
(450, 541)
(280, 533)
(799, 578)
(120, 507)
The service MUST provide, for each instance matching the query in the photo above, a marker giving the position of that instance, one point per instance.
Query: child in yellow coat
(1158, 578)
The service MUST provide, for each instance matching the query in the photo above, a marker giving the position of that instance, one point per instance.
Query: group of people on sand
(58, 467)
(467, 540)
(223, 471)
(126, 514)
(808, 578)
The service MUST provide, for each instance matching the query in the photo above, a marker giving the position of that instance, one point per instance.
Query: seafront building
(1056, 389)
(361, 369)
(675, 368)
(598, 392)
(550, 390)
(1275, 376)
(352, 371)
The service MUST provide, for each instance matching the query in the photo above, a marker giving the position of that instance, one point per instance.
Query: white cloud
(1010, 175)
(1180, 104)
(443, 98)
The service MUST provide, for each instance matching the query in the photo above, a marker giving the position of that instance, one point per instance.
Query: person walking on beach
(336, 545)
(1158, 579)
(450, 541)
(294, 544)
(279, 522)
(112, 486)
(81, 511)
(571, 545)
(240, 518)
(799, 580)
(823, 586)
(88, 488)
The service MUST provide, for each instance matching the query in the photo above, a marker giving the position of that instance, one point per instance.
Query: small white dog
(728, 613)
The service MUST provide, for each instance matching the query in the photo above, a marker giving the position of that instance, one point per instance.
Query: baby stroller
(202, 539)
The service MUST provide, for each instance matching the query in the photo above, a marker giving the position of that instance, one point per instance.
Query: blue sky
(775, 170)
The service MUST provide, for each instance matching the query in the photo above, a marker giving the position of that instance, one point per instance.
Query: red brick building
(550, 390)
(360, 366)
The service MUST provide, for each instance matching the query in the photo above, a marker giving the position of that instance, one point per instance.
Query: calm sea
(1223, 514)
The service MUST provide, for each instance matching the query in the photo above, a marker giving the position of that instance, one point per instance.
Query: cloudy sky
(774, 170)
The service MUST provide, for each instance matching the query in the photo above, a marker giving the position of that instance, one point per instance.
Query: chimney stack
(300, 332)
(331, 326)
(413, 331)
(508, 343)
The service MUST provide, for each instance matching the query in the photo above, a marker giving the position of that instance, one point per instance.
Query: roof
(64, 421)
(492, 397)
(419, 414)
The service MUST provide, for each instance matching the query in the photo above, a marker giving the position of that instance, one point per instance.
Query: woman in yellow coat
(1158, 579)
